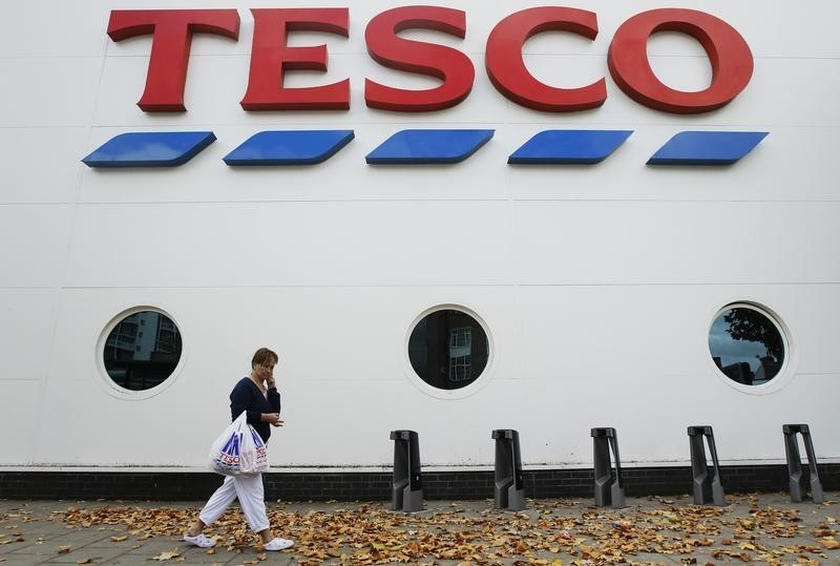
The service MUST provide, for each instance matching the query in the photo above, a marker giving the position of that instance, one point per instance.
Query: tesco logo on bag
(230, 452)
(271, 56)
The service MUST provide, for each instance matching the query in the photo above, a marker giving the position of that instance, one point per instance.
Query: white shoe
(200, 540)
(278, 543)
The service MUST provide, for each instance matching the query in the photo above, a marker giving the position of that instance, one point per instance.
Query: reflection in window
(746, 345)
(460, 347)
(448, 349)
(138, 360)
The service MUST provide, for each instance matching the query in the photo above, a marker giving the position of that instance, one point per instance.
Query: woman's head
(264, 357)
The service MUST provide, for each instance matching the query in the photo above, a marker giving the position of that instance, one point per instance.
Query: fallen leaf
(85, 561)
(164, 556)
(119, 539)
(830, 543)
(64, 549)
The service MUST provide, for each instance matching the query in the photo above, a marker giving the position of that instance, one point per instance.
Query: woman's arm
(240, 400)
(274, 399)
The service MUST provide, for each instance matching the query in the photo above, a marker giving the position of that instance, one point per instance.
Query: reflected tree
(752, 326)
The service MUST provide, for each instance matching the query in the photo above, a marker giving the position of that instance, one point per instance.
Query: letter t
(172, 35)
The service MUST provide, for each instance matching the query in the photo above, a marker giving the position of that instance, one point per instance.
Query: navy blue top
(246, 396)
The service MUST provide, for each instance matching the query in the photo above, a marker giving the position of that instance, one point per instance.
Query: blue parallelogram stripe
(289, 147)
(706, 148)
(149, 149)
(409, 147)
(569, 147)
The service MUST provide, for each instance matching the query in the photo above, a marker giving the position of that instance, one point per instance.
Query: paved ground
(763, 528)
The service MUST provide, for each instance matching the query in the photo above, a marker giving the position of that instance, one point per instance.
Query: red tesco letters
(729, 54)
(172, 35)
(450, 65)
(271, 57)
(506, 67)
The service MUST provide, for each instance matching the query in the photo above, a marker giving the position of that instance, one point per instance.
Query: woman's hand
(269, 382)
(272, 418)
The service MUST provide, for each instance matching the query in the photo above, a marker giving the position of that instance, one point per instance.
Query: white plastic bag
(239, 450)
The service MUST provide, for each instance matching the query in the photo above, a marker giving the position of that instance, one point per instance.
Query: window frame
(785, 373)
(479, 383)
(110, 385)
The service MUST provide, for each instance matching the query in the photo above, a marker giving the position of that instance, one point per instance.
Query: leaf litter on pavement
(550, 532)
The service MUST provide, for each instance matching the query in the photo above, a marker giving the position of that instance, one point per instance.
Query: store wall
(598, 284)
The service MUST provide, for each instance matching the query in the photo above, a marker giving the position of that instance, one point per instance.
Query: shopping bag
(239, 450)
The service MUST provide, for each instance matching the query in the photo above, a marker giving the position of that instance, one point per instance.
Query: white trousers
(249, 490)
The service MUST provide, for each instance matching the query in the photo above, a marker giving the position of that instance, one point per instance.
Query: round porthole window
(747, 345)
(448, 349)
(142, 350)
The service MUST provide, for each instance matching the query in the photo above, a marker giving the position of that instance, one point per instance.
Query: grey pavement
(753, 528)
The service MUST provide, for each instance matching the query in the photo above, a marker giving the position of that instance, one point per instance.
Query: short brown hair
(263, 355)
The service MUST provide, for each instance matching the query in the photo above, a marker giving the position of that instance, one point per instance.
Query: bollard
(509, 491)
(608, 491)
(706, 486)
(407, 492)
(794, 463)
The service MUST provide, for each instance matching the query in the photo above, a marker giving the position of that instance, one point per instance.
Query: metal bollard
(706, 486)
(794, 463)
(407, 494)
(608, 491)
(509, 491)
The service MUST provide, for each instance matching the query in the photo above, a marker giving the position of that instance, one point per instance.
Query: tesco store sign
(271, 56)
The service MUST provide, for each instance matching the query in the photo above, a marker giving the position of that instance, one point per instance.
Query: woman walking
(257, 396)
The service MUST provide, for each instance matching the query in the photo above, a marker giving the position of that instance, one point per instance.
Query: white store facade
(596, 287)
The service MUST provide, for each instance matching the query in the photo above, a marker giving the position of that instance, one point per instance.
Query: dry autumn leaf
(119, 538)
(85, 561)
(830, 543)
(64, 549)
(164, 556)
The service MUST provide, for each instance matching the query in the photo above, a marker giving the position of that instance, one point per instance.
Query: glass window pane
(141, 360)
(448, 349)
(746, 345)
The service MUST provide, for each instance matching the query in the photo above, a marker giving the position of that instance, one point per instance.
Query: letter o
(729, 54)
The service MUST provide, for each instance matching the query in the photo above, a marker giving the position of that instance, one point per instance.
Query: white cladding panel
(598, 284)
